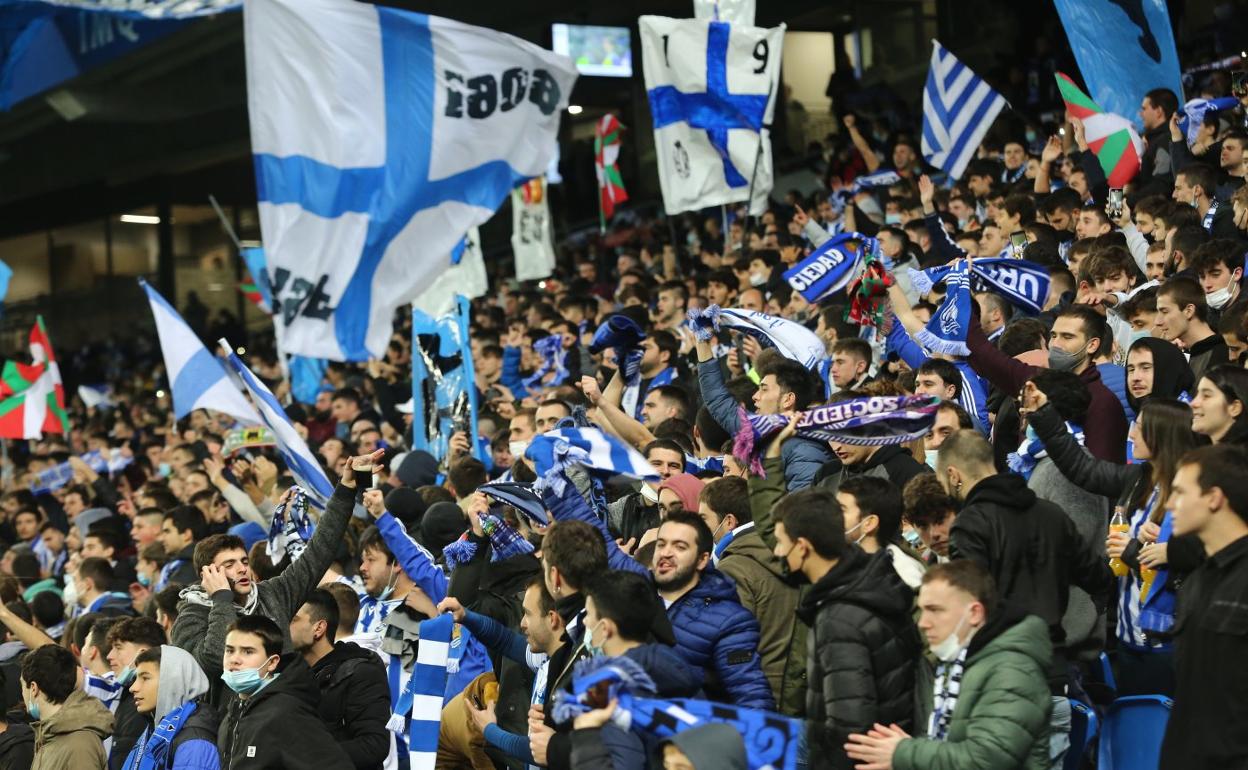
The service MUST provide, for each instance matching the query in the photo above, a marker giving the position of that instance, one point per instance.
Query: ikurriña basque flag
(380, 136)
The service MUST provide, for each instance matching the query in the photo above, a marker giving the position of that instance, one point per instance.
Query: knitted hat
(417, 469)
(687, 487)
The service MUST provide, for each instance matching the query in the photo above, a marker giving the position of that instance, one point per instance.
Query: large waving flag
(34, 401)
(197, 380)
(958, 109)
(1111, 137)
(380, 137)
(290, 445)
(1124, 49)
(712, 88)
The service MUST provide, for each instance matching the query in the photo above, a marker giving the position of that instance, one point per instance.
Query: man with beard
(225, 590)
(1030, 546)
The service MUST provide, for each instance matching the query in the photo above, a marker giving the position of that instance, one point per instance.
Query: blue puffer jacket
(713, 631)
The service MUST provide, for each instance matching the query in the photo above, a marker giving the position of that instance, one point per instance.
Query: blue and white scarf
(291, 528)
(554, 358)
(946, 688)
(717, 553)
(428, 681)
(878, 179)
(1024, 284)
(695, 465)
(771, 740)
(1207, 222)
(831, 267)
(793, 340)
(871, 421)
(519, 496)
(622, 334)
(1032, 451)
(601, 455)
(152, 750)
(505, 542)
(62, 474)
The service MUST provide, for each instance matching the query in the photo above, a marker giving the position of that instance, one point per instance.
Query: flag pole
(225, 223)
(749, 201)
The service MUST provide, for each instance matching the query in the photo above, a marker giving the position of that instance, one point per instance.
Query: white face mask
(929, 457)
(1218, 299)
(517, 448)
(950, 647)
(70, 593)
(649, 494)
(757, 279)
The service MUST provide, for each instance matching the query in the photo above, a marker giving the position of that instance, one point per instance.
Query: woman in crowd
(1161, 435)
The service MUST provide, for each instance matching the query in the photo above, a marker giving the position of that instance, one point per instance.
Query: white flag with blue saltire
(380, 137)
(712, 88)
(197, 380)
(958, 109)
(290, 445)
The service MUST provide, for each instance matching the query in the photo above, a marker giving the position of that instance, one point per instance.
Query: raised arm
(715, 395)
(290, 589)
(571, 506)
(868, 155)
(619, 423)
(1100, 477)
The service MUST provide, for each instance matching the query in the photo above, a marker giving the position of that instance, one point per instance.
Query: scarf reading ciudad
(554, 358)
(291, 528)
(1024, 284)
(870, 421)
(792, 339)
(622, 334)
(1032, 451)
(830, 267)
(771, 740)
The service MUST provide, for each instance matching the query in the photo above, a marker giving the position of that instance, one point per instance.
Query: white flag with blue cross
(380, 136)
(958, 109)
(712, 89)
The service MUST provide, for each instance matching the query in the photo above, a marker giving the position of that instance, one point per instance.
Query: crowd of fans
(936, 604)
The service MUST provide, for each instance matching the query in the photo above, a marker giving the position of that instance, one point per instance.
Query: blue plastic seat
(1084, 727)
(1132, 732)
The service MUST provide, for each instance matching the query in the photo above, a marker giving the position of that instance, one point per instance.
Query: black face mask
(788, 576)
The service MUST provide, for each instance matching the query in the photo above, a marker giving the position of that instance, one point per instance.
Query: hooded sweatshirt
(186, 737)
(74, 736)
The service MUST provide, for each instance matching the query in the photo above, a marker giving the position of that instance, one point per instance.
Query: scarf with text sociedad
(831, 267)
(1024, 284)
(871, 421)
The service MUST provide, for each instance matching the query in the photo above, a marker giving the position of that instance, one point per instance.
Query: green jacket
(756, 571)
(789, 664)
(1001, 721)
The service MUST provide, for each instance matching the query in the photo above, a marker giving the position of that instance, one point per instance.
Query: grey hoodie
(715, 746)
(181, 680)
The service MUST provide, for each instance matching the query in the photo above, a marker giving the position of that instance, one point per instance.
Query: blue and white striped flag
(380, 137)
(197, 380)
(290, 445)
(601, 454)
(958, 109)
(423, 696)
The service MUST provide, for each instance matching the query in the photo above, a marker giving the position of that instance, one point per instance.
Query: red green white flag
(1110, 137)
(33, 394)
(606, 155)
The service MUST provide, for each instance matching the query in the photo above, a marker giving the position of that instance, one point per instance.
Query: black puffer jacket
(279, 727)
(355, 702)
(862, 654)
(1031, 548)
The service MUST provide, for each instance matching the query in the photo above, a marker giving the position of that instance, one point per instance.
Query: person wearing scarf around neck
(182, 729)
(990, 704)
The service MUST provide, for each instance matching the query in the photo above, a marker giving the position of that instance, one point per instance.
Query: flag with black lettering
(380, 136)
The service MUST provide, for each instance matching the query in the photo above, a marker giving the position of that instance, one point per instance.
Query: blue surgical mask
(892, 219)
(1139, 335)
(126, 677)
(32, 708)
(245, 681)
(144, 580)
(929, 457)
(165, 470)
(593, 650)
(912, 537)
